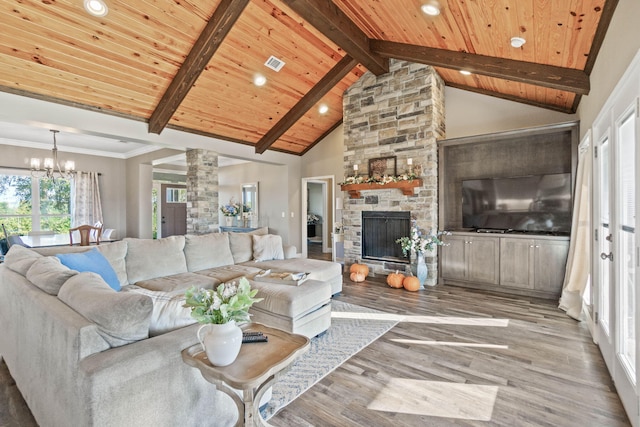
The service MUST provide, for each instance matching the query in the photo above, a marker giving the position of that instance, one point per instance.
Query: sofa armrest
(148, 375)
(290, 251)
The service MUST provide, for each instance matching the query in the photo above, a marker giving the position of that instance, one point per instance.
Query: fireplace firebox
(380, 230)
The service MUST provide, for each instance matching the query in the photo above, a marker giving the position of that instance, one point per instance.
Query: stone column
(399, 114)
(202, 191)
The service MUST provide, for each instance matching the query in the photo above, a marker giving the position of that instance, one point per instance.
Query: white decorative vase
(228, 220)
(221, 342)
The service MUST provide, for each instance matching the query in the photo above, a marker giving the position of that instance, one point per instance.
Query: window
(34, 204)
(176, 195)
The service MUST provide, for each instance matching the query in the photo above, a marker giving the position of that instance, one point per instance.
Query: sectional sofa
(84, 354)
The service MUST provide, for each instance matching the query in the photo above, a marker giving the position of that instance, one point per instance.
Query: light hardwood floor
(508, 362)
(460, 357)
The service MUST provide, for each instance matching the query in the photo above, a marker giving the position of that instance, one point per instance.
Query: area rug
(353, 327)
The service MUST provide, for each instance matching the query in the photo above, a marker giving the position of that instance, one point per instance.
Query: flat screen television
(534, 203)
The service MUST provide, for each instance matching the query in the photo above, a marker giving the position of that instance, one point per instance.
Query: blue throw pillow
(94, 262)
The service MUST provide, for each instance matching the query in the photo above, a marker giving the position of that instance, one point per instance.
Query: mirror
(250, 200)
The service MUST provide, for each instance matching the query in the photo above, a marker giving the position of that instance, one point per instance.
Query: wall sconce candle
(409, 162)
(355, 168)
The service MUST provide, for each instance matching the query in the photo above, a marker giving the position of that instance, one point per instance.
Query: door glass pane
(176, 195)
(603, 233)
(626, 233)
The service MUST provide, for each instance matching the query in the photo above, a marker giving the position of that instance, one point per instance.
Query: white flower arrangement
(221, 305)
(420, 241)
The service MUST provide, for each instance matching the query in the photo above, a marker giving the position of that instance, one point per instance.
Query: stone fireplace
(399, 114)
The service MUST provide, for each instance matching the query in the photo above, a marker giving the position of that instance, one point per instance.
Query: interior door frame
(328, 182)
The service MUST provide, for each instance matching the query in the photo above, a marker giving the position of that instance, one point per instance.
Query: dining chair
(13, 239)
(86, 233)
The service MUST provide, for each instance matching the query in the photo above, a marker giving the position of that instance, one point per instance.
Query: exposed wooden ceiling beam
(332, 78)
(566, 79)
(223, 19)
(331, 21)
(513, 98)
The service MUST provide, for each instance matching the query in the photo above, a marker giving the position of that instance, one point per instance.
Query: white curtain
(579, 260)
(85, 202)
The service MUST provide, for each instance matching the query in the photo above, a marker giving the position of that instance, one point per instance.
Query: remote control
(252, 333)
(254, 338)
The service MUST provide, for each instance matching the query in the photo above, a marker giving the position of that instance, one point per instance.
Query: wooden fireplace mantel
(405, 186)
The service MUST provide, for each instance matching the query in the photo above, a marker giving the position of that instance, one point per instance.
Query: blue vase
(422, 270)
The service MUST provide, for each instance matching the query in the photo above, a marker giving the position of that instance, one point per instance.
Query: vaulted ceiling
(190, 64)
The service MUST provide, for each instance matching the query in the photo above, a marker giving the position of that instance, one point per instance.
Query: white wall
(326, 158)
(277, 184)
(470, 113)
(618, 49)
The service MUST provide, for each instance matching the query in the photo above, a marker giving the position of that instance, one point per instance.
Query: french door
(616, 135)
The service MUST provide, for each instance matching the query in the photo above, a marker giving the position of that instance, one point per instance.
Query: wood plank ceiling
(189, 64)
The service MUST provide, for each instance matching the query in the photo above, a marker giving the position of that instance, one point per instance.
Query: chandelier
(51, 167)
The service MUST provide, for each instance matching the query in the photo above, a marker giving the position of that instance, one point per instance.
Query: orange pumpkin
(411, 283)
(395, 280)
(357, 277)
(359, 268)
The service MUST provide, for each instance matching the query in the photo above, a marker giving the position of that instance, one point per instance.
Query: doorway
(616, 134)
(173, 210)
(318, 211)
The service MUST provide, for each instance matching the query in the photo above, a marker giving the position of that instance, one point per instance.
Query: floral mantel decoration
(229, 301)
(421, 241)
(385, 179)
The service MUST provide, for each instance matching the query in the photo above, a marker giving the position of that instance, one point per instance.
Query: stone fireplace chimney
(399, 114)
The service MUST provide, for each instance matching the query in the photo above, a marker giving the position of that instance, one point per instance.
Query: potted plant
(230, 210)
(219, 310)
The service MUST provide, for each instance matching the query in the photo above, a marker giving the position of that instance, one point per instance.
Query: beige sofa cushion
(207, 251)
(319, 270)
(148, 258)
(168, 311)
(292, 301)
(121, 317)
(20, 259)
(267, 247)
(242, 244)
(49, 274)
(115, 253)
(177, 283)
(229, 272)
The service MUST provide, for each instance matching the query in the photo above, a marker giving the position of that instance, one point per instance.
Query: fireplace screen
(380, 230)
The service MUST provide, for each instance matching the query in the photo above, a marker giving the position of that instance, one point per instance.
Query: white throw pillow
(168, 311)
(267, 248)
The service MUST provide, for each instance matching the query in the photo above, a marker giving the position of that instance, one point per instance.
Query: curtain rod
(28, 169)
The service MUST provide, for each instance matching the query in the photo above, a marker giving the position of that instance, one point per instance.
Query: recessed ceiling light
(431, 8)
(259, 80)
(465, 72)
(96, 7)
(517, 41)
(323, 109)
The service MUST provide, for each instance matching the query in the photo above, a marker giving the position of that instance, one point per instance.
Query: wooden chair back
(86, 233)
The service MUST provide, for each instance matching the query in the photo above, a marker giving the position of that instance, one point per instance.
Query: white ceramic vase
(221, 342)
(228, 220)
